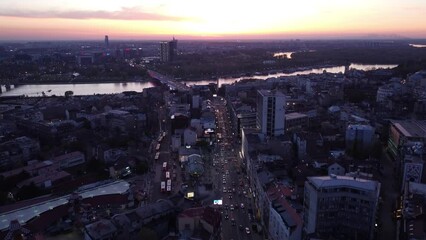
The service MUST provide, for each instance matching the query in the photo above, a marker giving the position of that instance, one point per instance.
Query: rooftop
(360, 127)
(101, 229)
(68, 156)
(295, 115)
(27, 212)
(269, 93)
(344, 181)
(411, 128)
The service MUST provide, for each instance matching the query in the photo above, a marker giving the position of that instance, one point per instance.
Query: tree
(30, 191)
(147, 234)
(141, 167)
(69, 94)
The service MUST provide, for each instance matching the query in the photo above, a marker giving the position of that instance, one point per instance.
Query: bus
(164, 166)
(163, 186)
(167, 175)
(158, 147)
(157, 156)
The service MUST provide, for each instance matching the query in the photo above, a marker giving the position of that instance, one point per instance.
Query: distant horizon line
(222, 39)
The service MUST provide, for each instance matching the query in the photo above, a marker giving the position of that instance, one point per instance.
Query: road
(390, 193)
(231, 182)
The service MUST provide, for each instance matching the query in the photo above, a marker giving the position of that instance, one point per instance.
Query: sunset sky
(218, 19)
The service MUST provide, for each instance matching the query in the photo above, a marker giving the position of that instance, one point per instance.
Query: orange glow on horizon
(202, 19)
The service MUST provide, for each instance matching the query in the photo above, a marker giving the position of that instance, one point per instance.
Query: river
(36, 90)
(337, 69)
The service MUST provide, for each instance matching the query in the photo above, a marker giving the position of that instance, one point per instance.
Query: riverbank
(256, 73)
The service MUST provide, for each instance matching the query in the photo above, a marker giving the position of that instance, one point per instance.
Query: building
(99, 193)
(270, 112)
(199, 223)
(340, 206)
(285, 223)
(106, 41)
(411, 211)
(359, 138)
(189, 137)
(69, 160)
(404, 131)
(101, 230)
(168, 50)
(30, 147)
(155, 215)
(296, 121)
(84, 59)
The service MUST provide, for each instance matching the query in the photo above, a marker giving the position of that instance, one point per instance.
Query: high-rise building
(340, 206)
(106, 41)
(359, 138)
(270, 112)
(168, 50)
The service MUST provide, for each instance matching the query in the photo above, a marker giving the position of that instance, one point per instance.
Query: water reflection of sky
(337, 69)
(113, 88)
(78, 89)
(418, 45)
(283, 55)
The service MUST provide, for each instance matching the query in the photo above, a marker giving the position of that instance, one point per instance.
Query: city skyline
(190, 19)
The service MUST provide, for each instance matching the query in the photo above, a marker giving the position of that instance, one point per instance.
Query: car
(241, 227)
(226, 216)
(242, 205)
(247, 230)
(232, 207)
(398, 214)
(230, 196)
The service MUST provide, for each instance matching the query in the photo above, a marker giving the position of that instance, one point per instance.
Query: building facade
(270, 112)
(168, 50)
(359, 137)
(340, 206)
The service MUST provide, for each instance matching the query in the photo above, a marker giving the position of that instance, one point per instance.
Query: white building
(285, 223)
(270, 112)
(393, 88)
(340, 206)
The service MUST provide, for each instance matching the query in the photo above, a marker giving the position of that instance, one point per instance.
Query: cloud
(133, 13)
